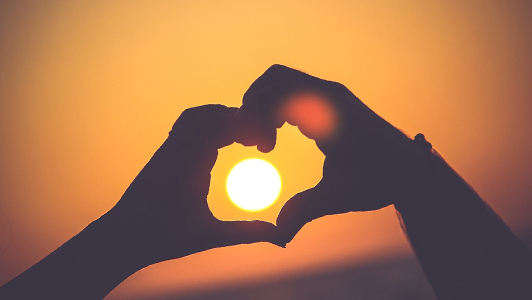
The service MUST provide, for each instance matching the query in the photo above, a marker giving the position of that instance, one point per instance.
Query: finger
(209, 125)
(279, 73)
(298, 211)
(279, 81)
(192, 145)
(317, 107)
(248, 232)
(251, 132)
(258, 119)
(261, 102)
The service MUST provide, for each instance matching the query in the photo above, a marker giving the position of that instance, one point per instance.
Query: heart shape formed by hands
(369, 164)
(296, 158)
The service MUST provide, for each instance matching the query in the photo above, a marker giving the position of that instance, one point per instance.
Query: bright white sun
(253, 184)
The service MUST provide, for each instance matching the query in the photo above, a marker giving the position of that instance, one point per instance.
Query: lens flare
(253, 184)
(312, 113)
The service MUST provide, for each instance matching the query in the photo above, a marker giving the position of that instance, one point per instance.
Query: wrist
(426, 183)
(122, 243)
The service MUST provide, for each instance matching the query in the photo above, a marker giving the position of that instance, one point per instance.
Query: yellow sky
(90, 89)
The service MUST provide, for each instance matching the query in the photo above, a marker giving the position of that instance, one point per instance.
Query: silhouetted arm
(465, 249)
(162, 215)
(88, 266)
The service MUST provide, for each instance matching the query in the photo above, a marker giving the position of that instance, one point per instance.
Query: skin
(162, 215)
(369, 164)
(466, 251)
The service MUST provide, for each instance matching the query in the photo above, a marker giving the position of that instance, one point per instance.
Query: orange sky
(90, 89)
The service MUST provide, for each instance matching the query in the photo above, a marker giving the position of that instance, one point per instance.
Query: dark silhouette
(162, 215)
(466, 251)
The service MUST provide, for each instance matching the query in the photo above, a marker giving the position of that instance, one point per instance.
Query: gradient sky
(90, 89)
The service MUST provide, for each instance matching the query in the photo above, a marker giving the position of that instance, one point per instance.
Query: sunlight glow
(253, 184)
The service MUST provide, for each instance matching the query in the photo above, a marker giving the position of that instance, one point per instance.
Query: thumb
(248, 232)
(298, 211)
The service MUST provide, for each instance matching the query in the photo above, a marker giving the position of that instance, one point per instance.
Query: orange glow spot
(312, 113)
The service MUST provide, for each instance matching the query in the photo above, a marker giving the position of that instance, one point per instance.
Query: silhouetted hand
(162, 215)
(369, 164)
(166, 204)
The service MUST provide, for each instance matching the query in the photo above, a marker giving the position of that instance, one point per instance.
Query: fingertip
(266, 232)
(267, 140)
(253, 131)
(280, 244)
(297, 212)
(264, 148)
(286, 235)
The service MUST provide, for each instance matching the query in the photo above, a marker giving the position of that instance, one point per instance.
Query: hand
(369, 164)
(166, 204)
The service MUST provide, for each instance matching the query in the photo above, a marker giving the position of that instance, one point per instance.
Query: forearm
(466, 251)
(88, 266)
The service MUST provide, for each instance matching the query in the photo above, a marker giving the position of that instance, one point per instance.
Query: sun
(253, 184)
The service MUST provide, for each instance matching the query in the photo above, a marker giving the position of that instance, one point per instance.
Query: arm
(162, 215)
(466, 251)
(88, 266)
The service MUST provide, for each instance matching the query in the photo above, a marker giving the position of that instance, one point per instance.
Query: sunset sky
(90, 89)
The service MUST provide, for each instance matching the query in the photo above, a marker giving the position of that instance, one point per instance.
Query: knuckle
(277, 68)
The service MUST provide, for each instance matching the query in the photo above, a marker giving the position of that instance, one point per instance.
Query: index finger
(208, 125)
(282, 95)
